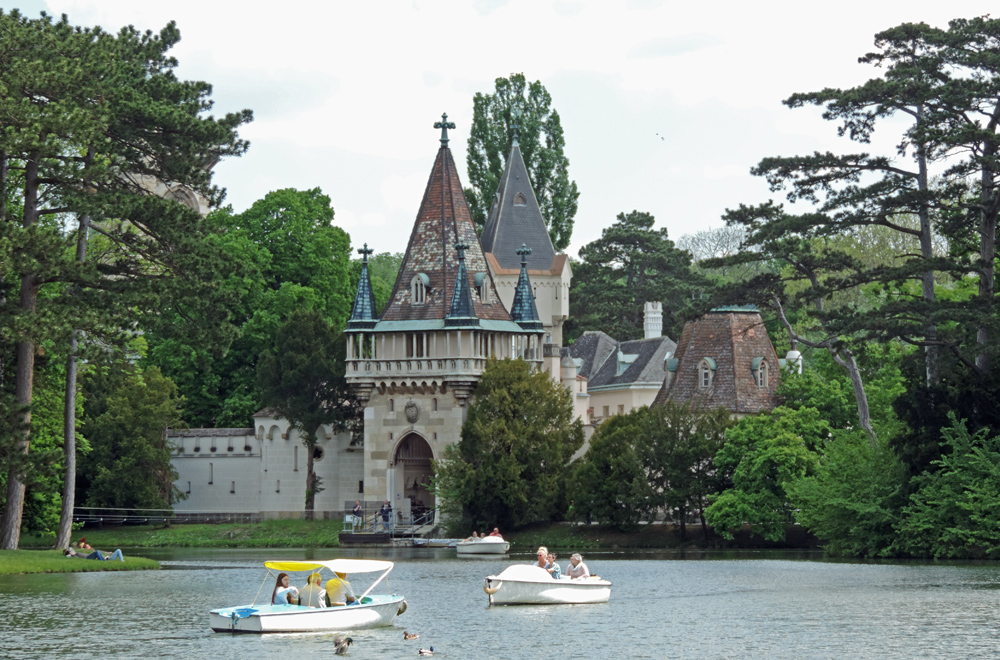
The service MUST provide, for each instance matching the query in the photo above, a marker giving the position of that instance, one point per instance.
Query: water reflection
(745, 605)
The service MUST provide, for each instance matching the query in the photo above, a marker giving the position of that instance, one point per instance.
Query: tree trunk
(310, 477)
(860, 396)
(10, 534)
(682, 514)
(69, 415)
(931, 350)
(987, 254)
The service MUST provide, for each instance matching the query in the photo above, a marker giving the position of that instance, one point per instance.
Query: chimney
(793, 360)
(652, 323)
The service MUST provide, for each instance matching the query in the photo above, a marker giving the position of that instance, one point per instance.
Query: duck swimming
(340, 645)
(409, 635)
(429, 651)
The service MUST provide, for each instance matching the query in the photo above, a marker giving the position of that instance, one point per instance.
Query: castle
(458, 300)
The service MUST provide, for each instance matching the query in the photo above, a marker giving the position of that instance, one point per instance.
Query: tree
(953, 513)
(302, 379)
(526, 106)
(290, 257)
(610, 481)
(762, 456)
(126, 422)
(92, 122)
(631, 264)
(510, 467)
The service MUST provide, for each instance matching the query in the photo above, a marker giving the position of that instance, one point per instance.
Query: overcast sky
(665, 105)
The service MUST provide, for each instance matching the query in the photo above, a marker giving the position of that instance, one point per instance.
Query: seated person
(283, 593)
(474, 537)
(339, 591)
(496, 532)
(553, 567)
(577, 569)
(313, 595)
(542, 555)
(82, 544)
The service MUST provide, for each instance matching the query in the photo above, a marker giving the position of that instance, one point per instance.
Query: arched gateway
(411, 469)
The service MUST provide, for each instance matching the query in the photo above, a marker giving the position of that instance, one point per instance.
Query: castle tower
(416, 366)
(515, 220)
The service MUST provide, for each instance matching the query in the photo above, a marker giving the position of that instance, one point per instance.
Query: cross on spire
(515, 115)
(444, 125)
(364, 252)
(524, 251)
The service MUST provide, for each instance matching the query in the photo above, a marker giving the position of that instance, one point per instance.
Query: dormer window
(520, 200)
(483, 288)
(759, 369)
(418, 288)
(706, 373)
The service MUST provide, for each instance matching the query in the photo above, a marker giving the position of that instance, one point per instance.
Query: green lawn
(265, 534)
(53, 561)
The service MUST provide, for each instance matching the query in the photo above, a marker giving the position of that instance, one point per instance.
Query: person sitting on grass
(82, 544)
(96, 554)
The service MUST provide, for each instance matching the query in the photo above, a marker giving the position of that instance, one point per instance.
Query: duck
(340, 645)
(429, 651)
(409, 635)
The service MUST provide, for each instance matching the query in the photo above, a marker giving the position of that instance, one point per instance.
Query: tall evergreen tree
(93, 122)
(521, 109)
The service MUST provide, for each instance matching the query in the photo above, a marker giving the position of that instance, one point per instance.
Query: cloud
(568, 9)
(675, 45)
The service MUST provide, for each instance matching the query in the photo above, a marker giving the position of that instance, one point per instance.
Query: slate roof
(523, 310)
(732, 339)
(647, 368)
(442, 222)
(217, 433)
(363, 316)
(515, 220)
(461, 313)
(592, 348)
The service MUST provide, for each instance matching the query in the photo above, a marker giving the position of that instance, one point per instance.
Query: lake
(701, 606)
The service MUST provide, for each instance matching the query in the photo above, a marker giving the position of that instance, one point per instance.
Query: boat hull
(518, 585)
(382, 611)
(484, 547)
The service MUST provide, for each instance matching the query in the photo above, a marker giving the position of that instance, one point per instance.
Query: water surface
(711, 607)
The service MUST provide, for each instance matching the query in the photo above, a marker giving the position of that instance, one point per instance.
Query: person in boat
(283, 593)
(543, 557)
(552, 567)
(313, 594)
(577, 569)
(339, 591)
(474, 537)
(496, 532)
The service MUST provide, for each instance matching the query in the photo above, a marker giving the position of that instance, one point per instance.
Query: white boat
(488, 545)
(530, 585)
(370, 610)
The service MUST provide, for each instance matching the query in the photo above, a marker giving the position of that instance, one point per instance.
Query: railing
(371, 522)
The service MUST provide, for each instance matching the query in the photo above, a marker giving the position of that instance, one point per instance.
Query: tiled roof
(442, 222)
(515, 219)
(645, 368)
(202, 433)
(593, 348)
(732, 339)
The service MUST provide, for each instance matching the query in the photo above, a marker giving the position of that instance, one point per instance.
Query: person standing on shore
(386, 513)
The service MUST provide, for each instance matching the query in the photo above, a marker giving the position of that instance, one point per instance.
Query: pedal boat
(530, 585)
(490, 545)
(370, 611)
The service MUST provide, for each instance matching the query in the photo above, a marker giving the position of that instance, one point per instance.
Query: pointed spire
(444, 125)
(515, 114)
(462, 313)
(363, 316)
(523, 310)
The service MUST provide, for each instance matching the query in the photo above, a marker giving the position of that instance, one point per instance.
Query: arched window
(706, 373)
(520, 200)
(418, 288)
(762, 375)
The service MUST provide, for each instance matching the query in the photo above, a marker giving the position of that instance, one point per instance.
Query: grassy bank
(265, 534)
(53, 561)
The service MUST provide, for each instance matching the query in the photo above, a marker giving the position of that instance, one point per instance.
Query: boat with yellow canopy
(366, 610)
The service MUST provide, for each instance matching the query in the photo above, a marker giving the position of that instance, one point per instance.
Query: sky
(665, 105)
